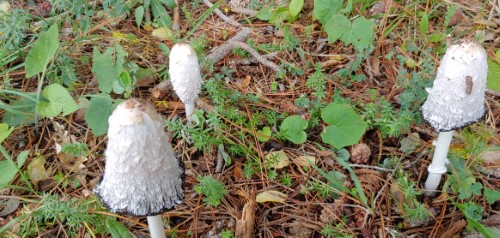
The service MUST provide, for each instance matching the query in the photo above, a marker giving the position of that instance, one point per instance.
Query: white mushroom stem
(156, 226)
(189, 107)
(438, 165)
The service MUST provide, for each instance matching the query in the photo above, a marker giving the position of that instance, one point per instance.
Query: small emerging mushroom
(142, 176)
(455, 100)
(185, 75)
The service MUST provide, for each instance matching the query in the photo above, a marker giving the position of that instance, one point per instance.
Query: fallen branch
(222, 16)
(245, 11)
(256, 55)
(251, 60)
(176, 26)
(221, 51)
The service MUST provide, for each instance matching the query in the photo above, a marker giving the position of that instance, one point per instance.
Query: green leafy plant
(55, 210)
(405, 194)
(293, 128)
(336, 230)
(9, 168)
(277, 15)
(159, 10)
(56, 99)
(97, 114)
(213, 190)
(345, 126)
(337, 25)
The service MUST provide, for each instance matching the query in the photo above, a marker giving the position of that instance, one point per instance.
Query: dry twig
(222, 16)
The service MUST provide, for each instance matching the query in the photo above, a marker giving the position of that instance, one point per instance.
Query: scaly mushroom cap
(457, 97)
(142, 176)
(184, 72)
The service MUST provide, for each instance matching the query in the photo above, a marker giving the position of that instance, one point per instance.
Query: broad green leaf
(107, 68)
(491, 195)
(5, 131)
(117, 229)
(22, 113)
(8, 171)
(293, 129)
(160, 14)
(337, 26)
(139, 15)
(276, 159)
(497, 56)
(424, 24)
(324, 9)
(169, 3)
(265, 13)
(493, 79)
(295, 7)
(360, 35)
(264, 134)
(22, 157)
(345, 126)
(57, 100)
(97, 114)
(42, 52)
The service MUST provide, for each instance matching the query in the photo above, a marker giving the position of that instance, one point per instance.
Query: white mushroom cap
(142, 174)
(184, 72)
(457, 97)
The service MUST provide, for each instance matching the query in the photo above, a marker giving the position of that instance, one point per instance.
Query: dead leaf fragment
(305, 160)
(37, 171)
(244, 226)
(276, 159)
(270, 196)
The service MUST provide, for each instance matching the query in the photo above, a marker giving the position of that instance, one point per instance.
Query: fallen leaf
(276, 159)
(37, 171)
(163, 33)
(270, 196)
(305, 160)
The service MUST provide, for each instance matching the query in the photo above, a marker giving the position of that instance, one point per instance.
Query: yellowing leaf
(270, 196)
(37, 171)
(163, 33)
(276, 160)
(305, 160)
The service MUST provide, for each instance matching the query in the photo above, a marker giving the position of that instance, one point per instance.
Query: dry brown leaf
(305, 160)
(276, 159)
(271, 196)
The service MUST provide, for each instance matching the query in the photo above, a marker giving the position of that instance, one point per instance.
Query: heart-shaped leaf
(345, 126)
(293, 129)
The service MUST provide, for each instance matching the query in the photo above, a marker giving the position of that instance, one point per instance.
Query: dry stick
(245, 11)
(256, 55)
(176, 26)
(221, 15)
(221, 51)
(247, 61)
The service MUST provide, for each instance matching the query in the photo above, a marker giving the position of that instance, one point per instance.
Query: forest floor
(263, 158)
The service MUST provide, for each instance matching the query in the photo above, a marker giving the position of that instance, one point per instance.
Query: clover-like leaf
(264, 134)
(337, 26)
(360, 34)
(293, 129)
(345, 126)
(323, 9)
(57, 100)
